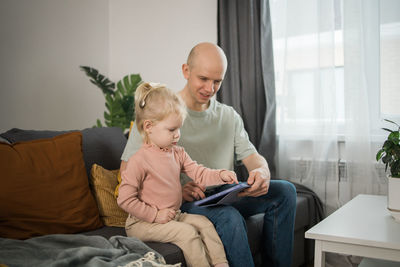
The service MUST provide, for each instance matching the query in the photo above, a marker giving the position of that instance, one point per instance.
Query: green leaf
(121, 88)
(386, 129)
(387, 145)
(107, 116)
(99, 80)
(130, 83)
(391, 122)
(394, 137)
(396, 151)
(117, 96)
(379, 154)
(387, 159)
(128, 104)
(135, 80)
(395, 169)
(98, 123)
(109, 99)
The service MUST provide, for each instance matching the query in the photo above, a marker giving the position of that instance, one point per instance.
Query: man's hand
(165, 215)
(229, 177)
(192, 191)
(259, 183)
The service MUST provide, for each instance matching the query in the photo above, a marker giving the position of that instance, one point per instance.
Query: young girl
(150, 190)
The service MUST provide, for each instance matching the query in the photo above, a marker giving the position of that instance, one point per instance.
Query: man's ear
(147, 125)
(185, 71)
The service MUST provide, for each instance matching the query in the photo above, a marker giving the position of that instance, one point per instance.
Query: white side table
(361, 227)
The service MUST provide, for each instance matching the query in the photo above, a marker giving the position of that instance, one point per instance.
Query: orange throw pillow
(45, 189)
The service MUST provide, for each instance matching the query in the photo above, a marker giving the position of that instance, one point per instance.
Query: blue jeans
(279, 206)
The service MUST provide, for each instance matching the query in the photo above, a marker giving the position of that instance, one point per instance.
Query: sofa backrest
(103, 146)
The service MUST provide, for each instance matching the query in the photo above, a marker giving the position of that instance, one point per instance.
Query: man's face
(204, 80)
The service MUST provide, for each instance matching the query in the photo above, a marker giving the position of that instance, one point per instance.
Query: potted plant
(390, 156)
(120, 101)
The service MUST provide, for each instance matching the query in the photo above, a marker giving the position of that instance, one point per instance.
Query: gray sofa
(104, 146)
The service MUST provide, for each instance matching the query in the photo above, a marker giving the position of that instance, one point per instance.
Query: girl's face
(165, 133)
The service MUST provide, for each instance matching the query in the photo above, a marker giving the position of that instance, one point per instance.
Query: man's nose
(210, 87)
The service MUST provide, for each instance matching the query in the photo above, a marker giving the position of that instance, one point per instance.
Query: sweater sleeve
(128, 200)
(243, 146)
(197, 172)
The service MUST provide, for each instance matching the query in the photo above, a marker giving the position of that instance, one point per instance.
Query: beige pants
(194, 234)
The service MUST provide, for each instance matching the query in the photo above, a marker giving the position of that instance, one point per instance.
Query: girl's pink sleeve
(198, 172)
(128, 200)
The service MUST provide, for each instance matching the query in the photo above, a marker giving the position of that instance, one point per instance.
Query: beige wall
(43, 42)
(153, 37)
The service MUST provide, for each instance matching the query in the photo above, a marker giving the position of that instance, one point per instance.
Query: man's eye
(171, 130)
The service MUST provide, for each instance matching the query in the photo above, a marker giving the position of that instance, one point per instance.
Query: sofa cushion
(302, 219)
(103, 183)
(44, 188)
(103, 146)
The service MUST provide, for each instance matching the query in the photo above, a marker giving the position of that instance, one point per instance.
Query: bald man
(213, 134)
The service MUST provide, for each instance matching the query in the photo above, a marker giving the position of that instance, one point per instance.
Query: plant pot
(394, 197)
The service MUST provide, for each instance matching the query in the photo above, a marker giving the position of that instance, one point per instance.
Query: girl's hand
(229, 177)
(165, 215)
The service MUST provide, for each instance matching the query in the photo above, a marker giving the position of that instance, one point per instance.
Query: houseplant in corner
(390, 156)
(120, 101)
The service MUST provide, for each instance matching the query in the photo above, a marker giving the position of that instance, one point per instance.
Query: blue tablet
(224, 197)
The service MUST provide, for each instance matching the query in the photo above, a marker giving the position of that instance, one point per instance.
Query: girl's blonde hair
(155, 102)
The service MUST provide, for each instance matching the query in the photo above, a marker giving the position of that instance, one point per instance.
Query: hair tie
(143, 102)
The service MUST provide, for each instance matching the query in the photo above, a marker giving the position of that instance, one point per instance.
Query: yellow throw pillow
(119, 183)
(119, 172)
(103, 183)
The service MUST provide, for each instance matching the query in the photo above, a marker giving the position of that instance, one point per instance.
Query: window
(390, 59)
(301, 72)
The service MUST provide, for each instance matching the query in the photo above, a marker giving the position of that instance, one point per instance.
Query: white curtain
(326, 56)
(361, 31)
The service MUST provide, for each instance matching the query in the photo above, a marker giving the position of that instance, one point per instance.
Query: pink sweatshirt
(151, 180)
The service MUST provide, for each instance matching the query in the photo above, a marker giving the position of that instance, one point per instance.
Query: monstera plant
(120, 99)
